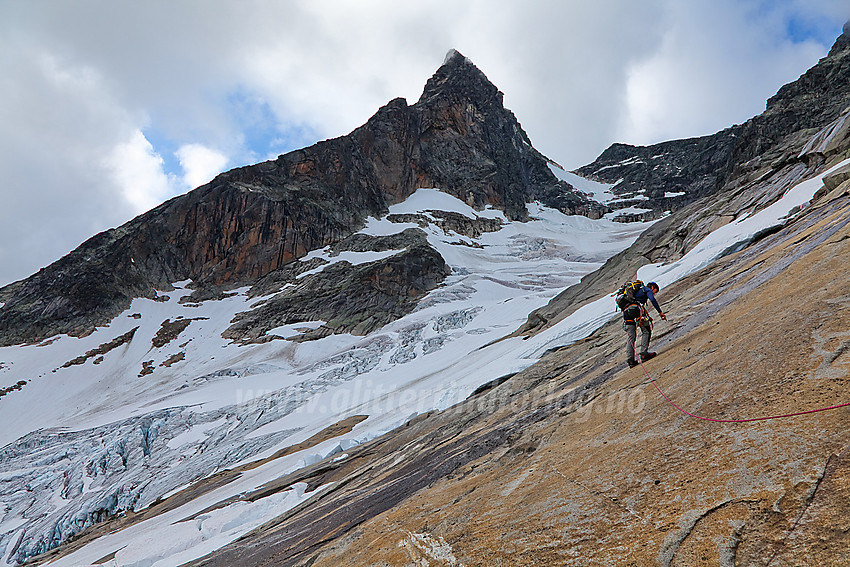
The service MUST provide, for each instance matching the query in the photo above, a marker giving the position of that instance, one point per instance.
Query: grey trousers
(631, 330)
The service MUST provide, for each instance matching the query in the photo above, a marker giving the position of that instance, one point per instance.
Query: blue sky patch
(821, 30)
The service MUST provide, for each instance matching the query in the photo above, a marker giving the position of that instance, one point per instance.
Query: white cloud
(700, 80)
(200, 164)
(57, 125)
(137, 171)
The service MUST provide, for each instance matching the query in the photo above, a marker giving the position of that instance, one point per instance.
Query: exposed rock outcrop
(664, 176)
(348, 299)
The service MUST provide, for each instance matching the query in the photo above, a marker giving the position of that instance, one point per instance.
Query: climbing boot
(632, 362)
(644, 356)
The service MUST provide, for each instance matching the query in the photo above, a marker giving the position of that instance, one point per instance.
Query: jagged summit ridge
(458, 76)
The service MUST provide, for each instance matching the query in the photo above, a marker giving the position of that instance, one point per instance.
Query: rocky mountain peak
(451, 54)
(459, 77)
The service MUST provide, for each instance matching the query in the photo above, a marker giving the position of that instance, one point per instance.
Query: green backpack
(626, 294)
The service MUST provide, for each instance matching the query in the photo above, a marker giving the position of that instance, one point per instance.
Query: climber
(632, 300)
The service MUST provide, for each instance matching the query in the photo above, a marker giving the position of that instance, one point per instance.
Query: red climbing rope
(669, 401)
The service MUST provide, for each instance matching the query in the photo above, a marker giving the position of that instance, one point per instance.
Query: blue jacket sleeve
(651, 297)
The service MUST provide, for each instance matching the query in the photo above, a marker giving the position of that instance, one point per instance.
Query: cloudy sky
(109, 107)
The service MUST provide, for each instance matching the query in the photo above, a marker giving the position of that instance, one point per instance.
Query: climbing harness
(746, 420)
(644, 320)
(641, 319)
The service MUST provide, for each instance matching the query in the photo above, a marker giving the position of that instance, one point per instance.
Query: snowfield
(115, 431)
